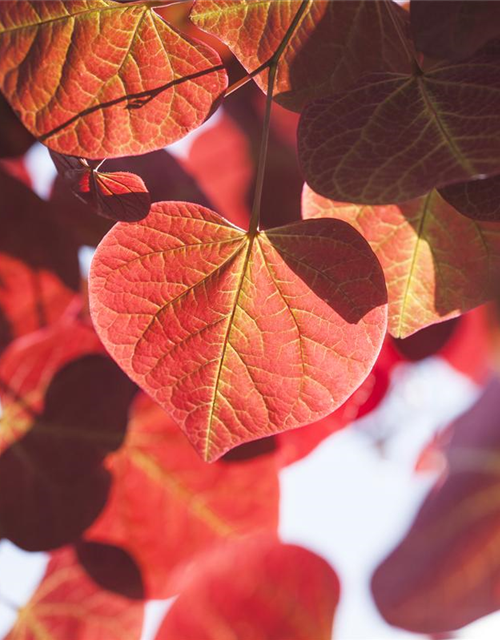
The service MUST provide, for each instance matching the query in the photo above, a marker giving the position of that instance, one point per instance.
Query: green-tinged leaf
(393, 137)
(238, 336)
(437, 263)
(333, 45)
(96, 78)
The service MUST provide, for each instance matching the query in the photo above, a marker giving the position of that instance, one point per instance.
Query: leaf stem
(273, 67)
(404, 41)
(261, 170)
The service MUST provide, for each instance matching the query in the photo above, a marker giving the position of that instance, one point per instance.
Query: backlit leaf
(95, 78)
(238, 336)
(334, 43)
(437, 263)
(256, 589)
(477, 199)
(393, 137)
(118, 195)
(69, 605)
(166, 506)
(453, 29)
(445, 573)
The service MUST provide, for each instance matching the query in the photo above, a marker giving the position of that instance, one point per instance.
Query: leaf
(95, 78)
(68, 604)
(333, 44)
(238, 337)
(477, 199)
(393, 137)
(61, 415)
(437, 263)
(453, 29)
(256, 589)
(54, 485)
(166, 506)
(111, 568)
(445, 572)
(39, 270)
(15, 140)
(118, 195)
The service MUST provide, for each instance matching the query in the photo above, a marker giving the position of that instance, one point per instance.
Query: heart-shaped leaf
(393, 137)
(437, 263)
(238, 336)
(96, 79)
(331, 47)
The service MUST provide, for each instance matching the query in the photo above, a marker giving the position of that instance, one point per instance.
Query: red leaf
(238, 336)
(453, 29)
(477, 199)
(393, 137)
(256, 589)
(15, 140)
(334, 43)
(445, 573)
(96, 79)
(69, 605)
(437, 263)
(117, 195)
(166, 506)
(38, 264)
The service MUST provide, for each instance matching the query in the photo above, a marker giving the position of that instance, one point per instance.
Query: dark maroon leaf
(111, 568)
(453, 29)
(476, 199)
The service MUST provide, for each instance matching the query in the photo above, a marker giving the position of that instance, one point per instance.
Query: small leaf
(68, 604)
(393, 137)
(333, 44)
(256, 589)
(453, 29)
(445, 572)
(166, 506)
(118, 195)
(477, 199)
(238, 336)
(437, 263)
(111, 568)
(96, 79)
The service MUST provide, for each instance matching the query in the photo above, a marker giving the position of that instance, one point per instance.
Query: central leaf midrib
(225, 344)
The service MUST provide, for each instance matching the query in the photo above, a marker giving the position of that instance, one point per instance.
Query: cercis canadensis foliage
(235, 294)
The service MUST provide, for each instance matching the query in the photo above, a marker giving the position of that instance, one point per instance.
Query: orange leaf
(437, 263)
(96, 79)
(238, 336)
